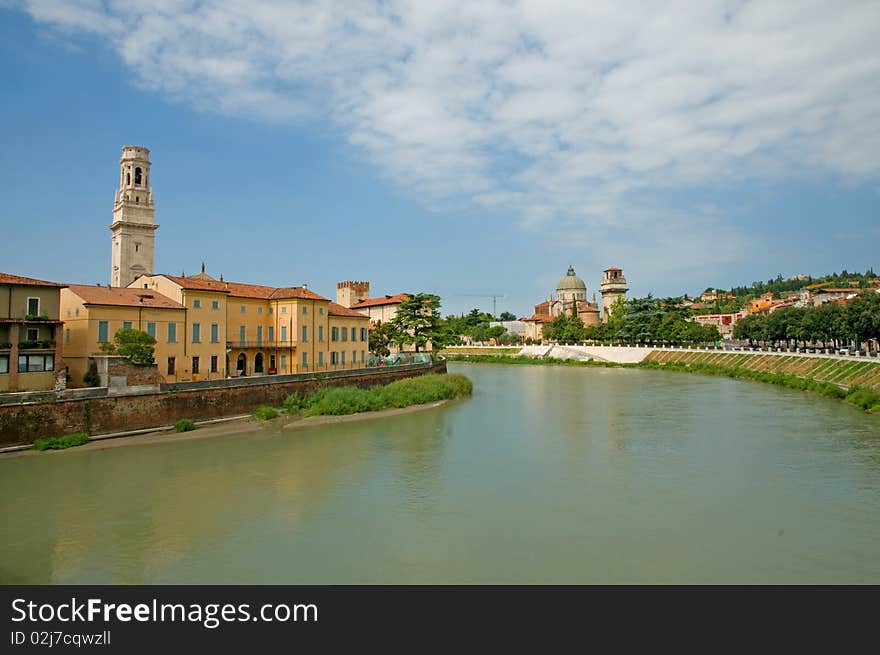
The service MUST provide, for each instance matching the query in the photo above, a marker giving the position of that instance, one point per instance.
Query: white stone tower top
(134, 218)
(613, 287)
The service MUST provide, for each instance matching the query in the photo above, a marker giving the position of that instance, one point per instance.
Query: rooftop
(382, 300)
(8, 278)
(336, 309)
(123, 297)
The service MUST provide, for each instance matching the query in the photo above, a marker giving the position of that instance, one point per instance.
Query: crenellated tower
(352, 292)
(613, 287)
(133, 230)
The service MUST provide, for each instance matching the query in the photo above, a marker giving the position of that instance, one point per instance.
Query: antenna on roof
(203, 267)
(221, 277)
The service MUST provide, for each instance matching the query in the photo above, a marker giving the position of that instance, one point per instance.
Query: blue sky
(469, 149)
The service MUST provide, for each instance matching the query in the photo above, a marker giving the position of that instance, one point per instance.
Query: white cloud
(556, 111)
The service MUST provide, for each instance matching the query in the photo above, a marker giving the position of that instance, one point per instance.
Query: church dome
(571, 282)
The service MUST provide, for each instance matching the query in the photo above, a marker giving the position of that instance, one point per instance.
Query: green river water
(548, 474)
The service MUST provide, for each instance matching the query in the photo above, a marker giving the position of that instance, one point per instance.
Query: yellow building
(269, 330)
(94, 314)
(30, 334)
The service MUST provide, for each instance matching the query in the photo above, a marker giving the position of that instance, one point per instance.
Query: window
(4, 364)
(137, 175)
(242, 309)
(215, 332)
(214, 363)
(33, 306)
(35, 363)
(305, 333)
(363, 356)
(334, 334)
(345, 334)
(284, 309)
(343, 358)
(272, 363)
(215, 304)
(241, 334)
(334, 357)
(305, 360)
(126, 325)
(197, 332)
(259, 335)
(305, 309)
(137, 247)
(170, 366)
(195, 365)
(151, 329)
(197, 304)
(353, 334)
(320, 333)
(320, 358)
(321, 311)
(67, 335)
(271, 334)
(271, 310)
(33, 334)
(103, 329)
(259, 310)
(284, 333)
(354, 356)
(172, 333)
(364, 334)
(283, 362)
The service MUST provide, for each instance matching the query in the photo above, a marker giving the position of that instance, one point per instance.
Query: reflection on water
(549, 474)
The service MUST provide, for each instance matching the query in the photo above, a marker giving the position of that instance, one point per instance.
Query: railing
(261, 344)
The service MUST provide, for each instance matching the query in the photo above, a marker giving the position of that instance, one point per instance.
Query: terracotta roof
(295, 292)
(613, 268)
(123, 297)
(384, 300)
(198, 284)
(242, 290)
(338, 310)
(540, 318)
(8, 278)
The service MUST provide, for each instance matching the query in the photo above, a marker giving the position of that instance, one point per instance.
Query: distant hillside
(780, 285)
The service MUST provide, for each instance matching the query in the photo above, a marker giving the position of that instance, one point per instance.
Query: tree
(507, 316)
(418, 322)
(136, 346)
(380, 339)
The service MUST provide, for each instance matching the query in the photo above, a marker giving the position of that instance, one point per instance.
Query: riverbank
(226, 427)
(856, 383)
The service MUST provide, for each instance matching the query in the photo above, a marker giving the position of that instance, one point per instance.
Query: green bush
(60, 443)
(337, 401)
(184, 425)
(864, 398)
(265, 413)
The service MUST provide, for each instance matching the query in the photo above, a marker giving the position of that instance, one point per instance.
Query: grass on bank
(60, 443)
(184, 425)
(337, 401)
(265, 413)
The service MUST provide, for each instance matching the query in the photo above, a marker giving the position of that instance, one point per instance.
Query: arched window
(127, 179)
(258, 363)
(137, 175)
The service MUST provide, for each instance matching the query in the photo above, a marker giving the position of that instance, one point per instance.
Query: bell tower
(613, 287)
(133, 229)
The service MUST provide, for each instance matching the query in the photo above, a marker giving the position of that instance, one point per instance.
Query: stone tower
(613, 287)
(134, 219)
(350, 292)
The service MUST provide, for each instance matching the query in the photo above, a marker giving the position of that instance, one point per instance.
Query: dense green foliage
(185, 425)
(418, 321)
(265, 413)
(857, 321)
(476, 325)
(381, 339)
(779, 285)
(651, 320)
(59, 443)
(136, 346)
(533, 361)
(336, 401)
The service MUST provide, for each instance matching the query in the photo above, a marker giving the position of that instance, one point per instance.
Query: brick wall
(24, 423)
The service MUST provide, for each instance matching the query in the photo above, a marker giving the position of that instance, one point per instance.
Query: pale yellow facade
(88, 325)
(267, 330)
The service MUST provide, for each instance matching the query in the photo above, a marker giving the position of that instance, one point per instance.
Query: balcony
(260, 344)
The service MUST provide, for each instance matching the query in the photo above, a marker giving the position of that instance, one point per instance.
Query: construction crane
(493, 296)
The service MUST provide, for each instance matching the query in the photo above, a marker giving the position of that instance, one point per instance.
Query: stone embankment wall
(844, 372)
(25, 422)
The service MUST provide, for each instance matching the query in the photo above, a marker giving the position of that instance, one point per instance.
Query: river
(548, 474)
